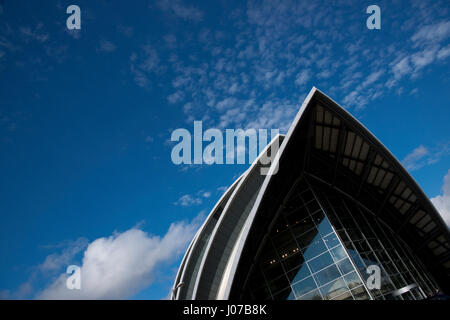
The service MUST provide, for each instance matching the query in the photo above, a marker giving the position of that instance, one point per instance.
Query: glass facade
(303, 257)
(368, 241)
(320, 246)
(341, 219)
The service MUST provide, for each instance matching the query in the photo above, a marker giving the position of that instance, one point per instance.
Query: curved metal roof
(202, 259)
(327, 143)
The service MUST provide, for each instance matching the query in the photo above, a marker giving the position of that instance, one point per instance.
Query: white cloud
(177, 8)
(444, 52)
(432, 33)
(374, 76)
(150, 62)
(35, 33)
(121, 265)
(222, 189)
(302, 77)
(55, 261)
(276, 52)
(52, 265)
(234, 88)
(74, 33)
(325, 74)
(274, 114)
(126, 31)
(422, 156)
(170, 40)
(206, 194)
(426, 50)
(414, 160)
(442, 202)
(190, 200)
(175, 97)
(226, 103)
(22, 292)
(423, 58)
(401, 67)
(187, 200)
(106, 46)
(144, 64)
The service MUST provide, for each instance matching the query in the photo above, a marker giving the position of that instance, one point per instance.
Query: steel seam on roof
(225, 211)
(208, 246)
(388, 155)
(186, 259)
(182, 268)
(225, 286)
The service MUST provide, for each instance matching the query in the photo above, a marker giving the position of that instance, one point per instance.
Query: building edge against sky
(339, 203)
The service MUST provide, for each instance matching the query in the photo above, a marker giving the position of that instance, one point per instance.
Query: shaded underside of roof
(328, 144)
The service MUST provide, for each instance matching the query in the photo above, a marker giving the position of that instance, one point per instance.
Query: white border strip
(225, 210)
(230, 271)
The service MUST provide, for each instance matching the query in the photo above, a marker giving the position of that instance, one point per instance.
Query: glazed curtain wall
(320, 246)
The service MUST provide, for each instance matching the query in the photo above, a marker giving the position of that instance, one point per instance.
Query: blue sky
(86, 117)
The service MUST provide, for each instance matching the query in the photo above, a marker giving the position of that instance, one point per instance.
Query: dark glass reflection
(320, 247)
(303, 257)
(369, 242)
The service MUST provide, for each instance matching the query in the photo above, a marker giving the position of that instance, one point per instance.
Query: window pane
(356, 259)
(299, 274)
(278, 284)
(398, 281)
(291, 296)
(345, 296)
(313, 207)
(302, 225)
(320, 262)
(338, 253)
(360, 293)
(296, 215)
(407, 296)
(285, 294)
(345, 266)
(272, 271)
(283, 242)
(324, 225)
(312, 250)
(307, 195)
(331, 240)
(304, 286)
(313, 295)
(257, 279)
(262, 293)
(353, 280)
(313, 246)
(293, 261)
(327, 275)
(416, 293)
(333, 289)
(386, 285)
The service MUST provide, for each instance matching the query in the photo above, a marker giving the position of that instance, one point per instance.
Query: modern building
(339, 209)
